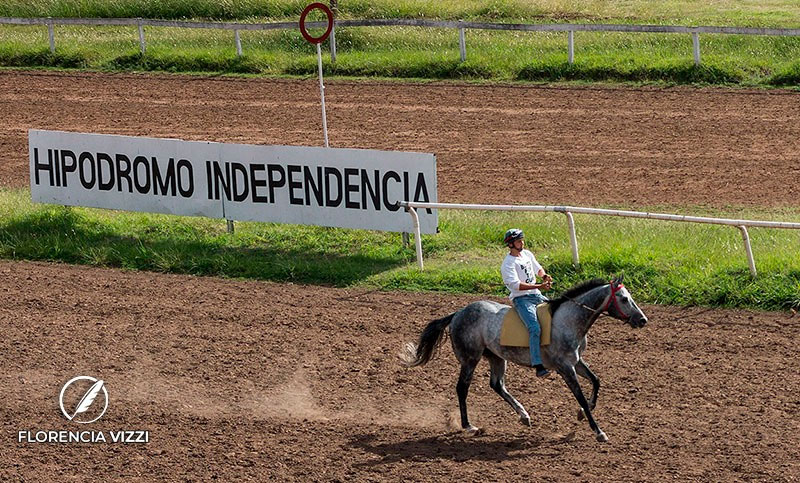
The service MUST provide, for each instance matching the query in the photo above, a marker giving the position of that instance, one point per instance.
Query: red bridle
(607, 303)
(613, 297)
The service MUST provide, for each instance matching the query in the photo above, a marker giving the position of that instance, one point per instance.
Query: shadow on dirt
(457, 447)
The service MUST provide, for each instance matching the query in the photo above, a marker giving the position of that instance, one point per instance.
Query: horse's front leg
(583, 370)
(571, 378)
(497, 382)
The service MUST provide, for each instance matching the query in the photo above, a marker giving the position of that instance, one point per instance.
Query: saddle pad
(514, 333)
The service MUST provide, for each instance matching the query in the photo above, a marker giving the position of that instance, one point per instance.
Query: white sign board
(348, 188)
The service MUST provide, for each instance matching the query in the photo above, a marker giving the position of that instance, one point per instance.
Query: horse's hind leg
(497, 382)
(583, 370)
(462, 388)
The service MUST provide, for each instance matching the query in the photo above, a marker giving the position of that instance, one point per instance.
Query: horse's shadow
(456, 447)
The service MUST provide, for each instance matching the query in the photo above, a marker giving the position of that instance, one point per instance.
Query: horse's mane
(576, 291)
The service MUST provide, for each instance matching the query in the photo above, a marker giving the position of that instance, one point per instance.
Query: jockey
(519, 271)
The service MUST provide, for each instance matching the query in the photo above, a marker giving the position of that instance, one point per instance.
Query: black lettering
(385, 185)
(208, 179)
(406, 187)
(141, 161)
(293, 185)
(350, 188)
(37, 166)
(275, 183)
(162, 184)
(239, 195)
(186, 190)
(67, 168)
(55, 164)
(222, 179)
(422, 188)
(374, 190)
(105, 185)
(328, 200)
(257, 183)
(82, 161)
(123, 172)
(312, 186)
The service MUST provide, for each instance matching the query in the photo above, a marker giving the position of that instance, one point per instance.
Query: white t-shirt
(520, 269)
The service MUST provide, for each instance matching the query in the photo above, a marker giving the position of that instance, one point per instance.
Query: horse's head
(622, 306)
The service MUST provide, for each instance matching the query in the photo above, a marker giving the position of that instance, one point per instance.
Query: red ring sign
(308, 9)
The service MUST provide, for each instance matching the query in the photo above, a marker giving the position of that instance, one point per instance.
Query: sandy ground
(512, 144)
(277, 382)
(259, 380)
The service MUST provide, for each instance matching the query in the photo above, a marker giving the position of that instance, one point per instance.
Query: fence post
(417, 236)
(462, 43)
(405, 239)
(571, 47)
(238, 41)
(230, 226)
(749, 250)
(573, 240)
(696, 47)
(51, 35)
(142, 46)
(333, 43)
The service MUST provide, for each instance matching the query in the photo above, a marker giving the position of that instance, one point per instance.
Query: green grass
(401, 52)
(408, 52)
(776, 13)
(663, 262)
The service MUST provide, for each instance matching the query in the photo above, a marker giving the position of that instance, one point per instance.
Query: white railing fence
(447, 24)
(742, 225)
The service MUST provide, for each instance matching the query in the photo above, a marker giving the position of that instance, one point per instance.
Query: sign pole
(318, 40)
(322, 96)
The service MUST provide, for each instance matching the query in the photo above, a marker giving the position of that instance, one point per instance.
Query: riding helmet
(513, 235)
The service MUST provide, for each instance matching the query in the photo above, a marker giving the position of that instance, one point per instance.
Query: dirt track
(267, 381)
(248, 379)
(590, 146)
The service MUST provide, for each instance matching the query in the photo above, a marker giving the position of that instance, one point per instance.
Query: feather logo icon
(81, 413)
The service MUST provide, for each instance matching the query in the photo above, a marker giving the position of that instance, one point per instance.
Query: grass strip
(416, 53)
(776, 13)
(663, 262)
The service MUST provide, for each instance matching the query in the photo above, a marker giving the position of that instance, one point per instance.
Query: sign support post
(322, 96)
(318, 41)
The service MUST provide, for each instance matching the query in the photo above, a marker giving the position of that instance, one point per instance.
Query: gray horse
(475, 333)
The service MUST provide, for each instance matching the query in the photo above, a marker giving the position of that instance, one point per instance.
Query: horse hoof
(472, 431)
(525, 420)
(581, 415)
(601, 437)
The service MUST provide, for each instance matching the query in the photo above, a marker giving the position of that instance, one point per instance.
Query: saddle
(514, 333)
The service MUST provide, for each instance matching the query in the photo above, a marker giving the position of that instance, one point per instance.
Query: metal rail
(742, 225)
(50, 22)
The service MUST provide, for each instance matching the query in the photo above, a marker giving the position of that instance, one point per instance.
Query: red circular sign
(308, 9)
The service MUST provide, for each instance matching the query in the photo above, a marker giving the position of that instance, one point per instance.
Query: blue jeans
(526, 308)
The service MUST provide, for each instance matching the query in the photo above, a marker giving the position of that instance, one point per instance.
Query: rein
(606, 303)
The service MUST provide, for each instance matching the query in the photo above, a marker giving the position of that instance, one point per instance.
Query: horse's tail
(419, 354)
